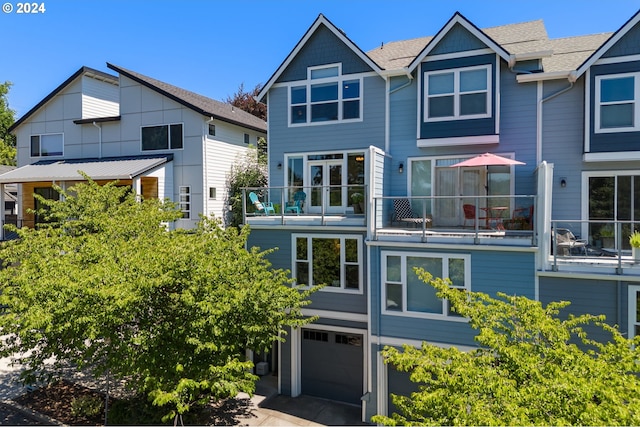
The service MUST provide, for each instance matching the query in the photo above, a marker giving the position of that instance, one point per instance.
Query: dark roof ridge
(199, 103)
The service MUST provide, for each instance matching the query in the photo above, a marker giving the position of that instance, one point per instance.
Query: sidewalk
(265, 408)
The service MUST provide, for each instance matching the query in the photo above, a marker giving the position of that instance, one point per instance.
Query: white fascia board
(321, 20)
(619, 156)
(459, 19)
(536, 77)
(609, 44)
(463, 140)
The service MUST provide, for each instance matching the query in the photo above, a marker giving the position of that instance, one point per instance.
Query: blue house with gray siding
(365, 155)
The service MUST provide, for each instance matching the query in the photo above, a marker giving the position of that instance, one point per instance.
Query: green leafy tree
(108, 287)
(7, 118)
(529, 369)
(247, 172)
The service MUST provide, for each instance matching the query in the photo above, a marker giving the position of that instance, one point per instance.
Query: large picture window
(613, 197)
(616, 100)
(404, 292)
(463, 93)
(162, 137)
(47, 145)
(326, 96)
(335, 261)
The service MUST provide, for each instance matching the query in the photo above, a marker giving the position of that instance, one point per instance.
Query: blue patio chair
(298, 202)
(261, 207)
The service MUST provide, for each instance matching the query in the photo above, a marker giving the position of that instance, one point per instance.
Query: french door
(327, 191)
(466, 182)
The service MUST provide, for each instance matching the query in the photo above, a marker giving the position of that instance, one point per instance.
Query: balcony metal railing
(458, 216)
(306, 201)
(596, 241)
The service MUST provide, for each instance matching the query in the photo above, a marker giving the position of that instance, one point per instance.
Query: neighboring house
(390, 125)
(162, 140)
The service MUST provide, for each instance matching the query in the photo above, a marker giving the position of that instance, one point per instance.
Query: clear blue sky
(211, 47)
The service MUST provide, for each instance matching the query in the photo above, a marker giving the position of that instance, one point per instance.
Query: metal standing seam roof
(69, 170)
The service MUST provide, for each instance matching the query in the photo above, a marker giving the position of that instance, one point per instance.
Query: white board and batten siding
(220, 157)
(99, 98)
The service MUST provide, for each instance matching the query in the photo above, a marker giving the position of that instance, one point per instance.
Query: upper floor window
(212, 129)
(404, 292)
(616, 100)
(162, 137)
(463, 93)
(333, 261)
(326, 96)
(47, 145)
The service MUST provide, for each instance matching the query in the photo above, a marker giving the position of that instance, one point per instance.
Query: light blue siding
(562, 145)
(325, 137)
(588, 297)
(323, 48)
(504, 271)
(458, 39)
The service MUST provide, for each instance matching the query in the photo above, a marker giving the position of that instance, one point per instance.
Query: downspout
(99, 139)
(572, 79)
(205, 187)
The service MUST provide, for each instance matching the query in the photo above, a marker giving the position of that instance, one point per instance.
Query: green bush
(86, 406)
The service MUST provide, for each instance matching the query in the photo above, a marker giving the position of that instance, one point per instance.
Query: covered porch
(148, 176)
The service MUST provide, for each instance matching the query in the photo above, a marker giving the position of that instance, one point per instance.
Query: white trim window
(634, 311)
(404, 292)
(333, 260)
(161, 137)
(326, 97)
(185, 201)
(47, 145)
(616, 103)
(463, 93)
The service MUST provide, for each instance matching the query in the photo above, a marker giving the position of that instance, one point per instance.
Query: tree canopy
(249, 171)
(7, 118)
(107, 285)
(246, 101)
(531, 368)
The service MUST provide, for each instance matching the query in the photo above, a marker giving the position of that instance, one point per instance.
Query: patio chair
(521, 219)
(297, 203)
(402, 212)
(469, 211)
(261, 207)
(567, 243)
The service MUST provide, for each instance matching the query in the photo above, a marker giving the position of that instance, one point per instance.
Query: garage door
(332, 365)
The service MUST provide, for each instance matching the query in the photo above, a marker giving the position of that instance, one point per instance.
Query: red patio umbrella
(487, 159)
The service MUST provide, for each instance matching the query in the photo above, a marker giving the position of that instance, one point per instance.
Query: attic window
(326, 96)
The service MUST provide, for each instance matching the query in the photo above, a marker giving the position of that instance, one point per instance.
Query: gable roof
(457, 18)
(198, 103)
(609, 43)
(517, 38)
(90, 72)
(320, 20)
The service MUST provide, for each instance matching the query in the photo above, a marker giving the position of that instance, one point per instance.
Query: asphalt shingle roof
(519, 38)
(201, 104)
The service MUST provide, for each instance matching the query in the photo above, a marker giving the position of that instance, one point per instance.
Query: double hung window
(162, 137)
(326, 96)
(335, 261)
(463, 93)
(616, 103)
(404, 292)
(47, 145)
